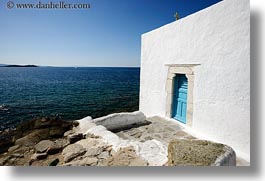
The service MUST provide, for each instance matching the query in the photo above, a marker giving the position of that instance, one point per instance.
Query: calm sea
(70, 93)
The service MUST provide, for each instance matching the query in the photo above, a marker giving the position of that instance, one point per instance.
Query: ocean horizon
(69, 93)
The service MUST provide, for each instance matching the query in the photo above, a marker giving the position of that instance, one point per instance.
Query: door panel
(179, 106)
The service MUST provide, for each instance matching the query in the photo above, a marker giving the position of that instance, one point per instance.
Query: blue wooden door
(179, 106)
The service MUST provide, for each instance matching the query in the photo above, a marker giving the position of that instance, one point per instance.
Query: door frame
(188, 70)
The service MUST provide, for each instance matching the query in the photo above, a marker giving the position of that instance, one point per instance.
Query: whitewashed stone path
(159, 129)
(149, 139)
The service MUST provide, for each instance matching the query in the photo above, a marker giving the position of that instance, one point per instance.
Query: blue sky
(107, 34)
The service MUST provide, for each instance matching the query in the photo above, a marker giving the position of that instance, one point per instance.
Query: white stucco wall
(217, 38)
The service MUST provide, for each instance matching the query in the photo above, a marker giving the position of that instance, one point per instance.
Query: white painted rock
(84, 125)
(155, 152)
(107, 136)
(119, 121)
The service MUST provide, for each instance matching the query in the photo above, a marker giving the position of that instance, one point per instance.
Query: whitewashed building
(196, 71)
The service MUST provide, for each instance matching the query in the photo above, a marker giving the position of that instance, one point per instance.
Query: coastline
(19, 66)
(119, 139)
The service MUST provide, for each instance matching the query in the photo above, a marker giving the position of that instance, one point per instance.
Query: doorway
(180, 96)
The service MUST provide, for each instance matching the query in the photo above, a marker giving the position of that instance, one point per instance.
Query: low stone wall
(200, 153)
(120, 121)
(228, 158)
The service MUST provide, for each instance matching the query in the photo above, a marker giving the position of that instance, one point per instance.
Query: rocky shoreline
(52, 142)
(18, 145)
(122, 139)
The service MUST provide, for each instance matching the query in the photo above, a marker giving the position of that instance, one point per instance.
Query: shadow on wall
(254, 170)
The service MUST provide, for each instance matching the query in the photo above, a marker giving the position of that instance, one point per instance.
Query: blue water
(68, 93)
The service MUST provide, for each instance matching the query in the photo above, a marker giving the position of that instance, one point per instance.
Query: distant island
(19, 66)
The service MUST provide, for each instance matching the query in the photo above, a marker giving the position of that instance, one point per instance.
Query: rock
(104, 155)
(27, 164)
(17, 155)
(56, 127)
(93, 136)
(12, 160)
(102, 163)
(75, 123)
(108, 148)
(66, 125)
(54, 162)
(84, 162)
(42, 123)
(25, 126)
(13, 148)
(91, 142)
(74, 137)
(58, 146)
(33, 138)
(112, 152)
(54, 149)
(83, 125)
(90, 161)
(56, 132)
(198, 153)
(38, 156)
(72, 151)
(61, 142)
(138, 162)
(52, 123)
(89, 135)
(93, 146)
(155, 152)
(93, 151)
(6, 140)
(4, 160)
(67, 133)
(126, 157)
(43, 146)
